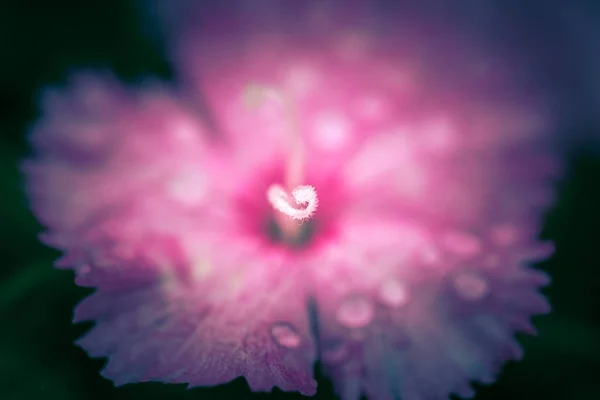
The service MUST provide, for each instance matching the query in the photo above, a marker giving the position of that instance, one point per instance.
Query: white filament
(302, 202)
(256, 95)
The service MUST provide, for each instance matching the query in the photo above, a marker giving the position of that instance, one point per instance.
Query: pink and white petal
(394, 322)
(237, 317)
(102, 131)
(428, 343)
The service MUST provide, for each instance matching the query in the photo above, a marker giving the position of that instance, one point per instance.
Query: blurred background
(41, 42)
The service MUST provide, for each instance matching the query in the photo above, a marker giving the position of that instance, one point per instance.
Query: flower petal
(404, 328)
(242, 319)
(131, 189)
(93, 133)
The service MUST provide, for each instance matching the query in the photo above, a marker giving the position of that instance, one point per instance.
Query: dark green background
(40, 43)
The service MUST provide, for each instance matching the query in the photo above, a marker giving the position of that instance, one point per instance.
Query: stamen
(302, 202)
(305, 198)
(257, 95)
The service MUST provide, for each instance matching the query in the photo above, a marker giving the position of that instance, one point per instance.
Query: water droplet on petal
(470, 287)
(355, 312)
(393, 293)
(285, 334)
(331, 131)
(462, 243)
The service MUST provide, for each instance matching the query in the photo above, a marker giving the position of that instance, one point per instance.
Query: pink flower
(211, 259)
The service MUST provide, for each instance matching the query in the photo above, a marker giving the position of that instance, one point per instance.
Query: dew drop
(355, 312)
(393, 293)
(331, 131)
(470, 287)
(462, 243)
(285, 334)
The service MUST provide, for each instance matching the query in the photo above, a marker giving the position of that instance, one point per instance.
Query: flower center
(293, 201)
(301, 238)
(305, 198)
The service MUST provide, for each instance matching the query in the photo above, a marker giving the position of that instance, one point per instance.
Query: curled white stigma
(301, 204)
